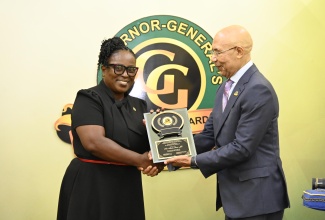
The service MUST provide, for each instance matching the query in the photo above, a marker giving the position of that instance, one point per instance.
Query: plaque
(170, 134)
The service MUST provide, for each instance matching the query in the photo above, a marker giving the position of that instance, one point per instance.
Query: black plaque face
(169, 134)
(172, 147)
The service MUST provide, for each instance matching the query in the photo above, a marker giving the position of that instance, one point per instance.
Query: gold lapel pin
(236, 93)
(134, 109)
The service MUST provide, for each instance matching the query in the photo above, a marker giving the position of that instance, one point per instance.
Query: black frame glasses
(217, 53)
(119, 69)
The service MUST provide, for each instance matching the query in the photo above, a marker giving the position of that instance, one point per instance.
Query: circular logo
(175, 70)
(173, 57)
(168, 123)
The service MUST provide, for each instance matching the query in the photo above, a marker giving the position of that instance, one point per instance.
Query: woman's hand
(158, 110)
(154, 169)
(147, 166)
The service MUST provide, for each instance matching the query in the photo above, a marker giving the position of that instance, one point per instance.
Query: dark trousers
(271, 216)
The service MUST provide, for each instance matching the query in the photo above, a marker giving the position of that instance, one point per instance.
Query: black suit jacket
(246, 157)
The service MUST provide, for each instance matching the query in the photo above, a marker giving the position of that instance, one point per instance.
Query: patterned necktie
(226, 93)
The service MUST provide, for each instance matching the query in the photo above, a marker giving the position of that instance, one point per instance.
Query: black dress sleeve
(87, 109)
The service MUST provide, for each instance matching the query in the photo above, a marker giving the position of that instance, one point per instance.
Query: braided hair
(109, 47)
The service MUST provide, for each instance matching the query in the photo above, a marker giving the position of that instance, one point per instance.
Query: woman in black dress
(110, 143)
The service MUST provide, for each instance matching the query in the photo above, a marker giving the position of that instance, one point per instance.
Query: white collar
(235, 78)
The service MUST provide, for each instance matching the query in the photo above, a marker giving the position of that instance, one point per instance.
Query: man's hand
(179, 161)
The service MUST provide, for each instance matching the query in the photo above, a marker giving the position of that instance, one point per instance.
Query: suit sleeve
(204, 141)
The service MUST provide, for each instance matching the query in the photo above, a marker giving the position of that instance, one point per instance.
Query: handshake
(171, 140)
(154, 169)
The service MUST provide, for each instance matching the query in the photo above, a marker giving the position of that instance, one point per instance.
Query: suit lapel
(237, 91)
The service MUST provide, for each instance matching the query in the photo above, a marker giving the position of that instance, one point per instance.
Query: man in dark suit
(241, 142)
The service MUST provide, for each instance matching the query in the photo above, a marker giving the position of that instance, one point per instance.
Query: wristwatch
(193, 163)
